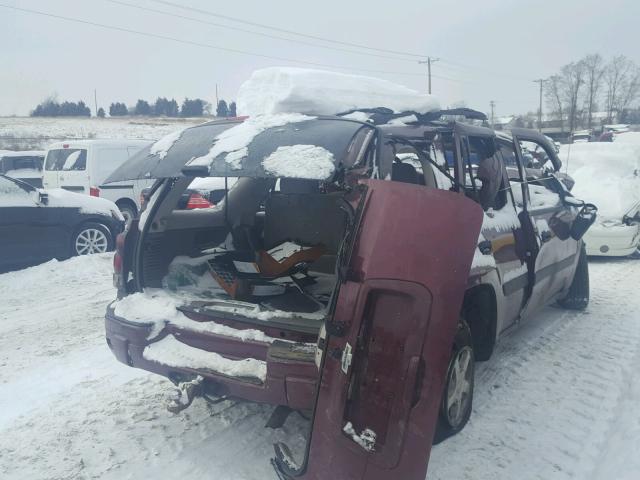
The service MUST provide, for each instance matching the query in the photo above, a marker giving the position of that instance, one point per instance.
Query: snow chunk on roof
(174, 353)
(234, 141)
(321, 92)
(300, 161)
(162, 146)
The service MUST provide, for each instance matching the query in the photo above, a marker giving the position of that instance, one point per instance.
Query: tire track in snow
(545, 403)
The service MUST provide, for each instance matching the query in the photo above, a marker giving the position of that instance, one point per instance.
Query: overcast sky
(489, 50)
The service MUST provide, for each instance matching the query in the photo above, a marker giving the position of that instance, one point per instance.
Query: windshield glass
(66, 159)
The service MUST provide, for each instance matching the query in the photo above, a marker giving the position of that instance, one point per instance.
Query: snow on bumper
(241, 366)
(614, 241)
(174, 353)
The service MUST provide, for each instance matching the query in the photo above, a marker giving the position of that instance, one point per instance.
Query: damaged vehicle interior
(291, 250)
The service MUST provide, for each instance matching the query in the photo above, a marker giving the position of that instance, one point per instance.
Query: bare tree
(594, 71)
(572, 80)
(616, 76)
(630, 88)
(552, 89)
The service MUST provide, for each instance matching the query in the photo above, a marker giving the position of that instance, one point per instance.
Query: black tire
(636, 254)
(129, 212)
(96, 236)
(452, 419)
(578, 296)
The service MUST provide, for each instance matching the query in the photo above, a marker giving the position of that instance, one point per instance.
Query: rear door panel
(408, 272)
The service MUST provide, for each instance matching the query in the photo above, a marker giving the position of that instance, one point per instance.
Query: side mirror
(43, 198)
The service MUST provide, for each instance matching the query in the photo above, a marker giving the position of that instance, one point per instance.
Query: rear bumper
(289, 380)
(616, 241)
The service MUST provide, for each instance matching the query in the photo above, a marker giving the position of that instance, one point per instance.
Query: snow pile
(234, 141)
(300, 161)
(606, 174)
(24, 173)
(174, 353)
(59, 197)
(627, 137)
(320, 92)
(162, 146)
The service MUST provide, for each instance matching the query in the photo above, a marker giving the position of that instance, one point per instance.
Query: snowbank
(320, 92)
(627, 137)
(606, 175)
(300, 161)
(234, 142)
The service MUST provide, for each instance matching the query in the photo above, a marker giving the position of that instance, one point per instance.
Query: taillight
(198, 201)
(94, 191)
(143, 200)
(117, 257)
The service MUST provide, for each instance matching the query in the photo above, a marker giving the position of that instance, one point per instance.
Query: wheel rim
(128, 215)
(91, 240)
(459, 387)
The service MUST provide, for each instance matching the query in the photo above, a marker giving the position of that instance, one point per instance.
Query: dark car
(361, 287)
(37, 225)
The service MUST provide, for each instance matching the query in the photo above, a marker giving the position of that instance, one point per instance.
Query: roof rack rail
(383, 115)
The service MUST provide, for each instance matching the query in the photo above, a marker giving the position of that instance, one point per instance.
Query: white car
(608, 175)
(82, 166)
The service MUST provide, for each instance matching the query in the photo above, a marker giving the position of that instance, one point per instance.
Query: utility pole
(541, 82)
(493, 106)
(217, 101)
(95, 100)
(429, 61)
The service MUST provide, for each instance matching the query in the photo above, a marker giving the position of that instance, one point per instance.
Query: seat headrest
(296, 185)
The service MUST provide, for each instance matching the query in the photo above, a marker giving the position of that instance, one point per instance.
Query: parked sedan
(37, 225)
(608, 175)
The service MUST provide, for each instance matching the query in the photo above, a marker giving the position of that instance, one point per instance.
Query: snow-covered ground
(560, 399)
(30, 133)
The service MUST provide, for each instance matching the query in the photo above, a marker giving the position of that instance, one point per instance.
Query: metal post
(95, 100)
(540, 81)
(429, 61)
(493, 105)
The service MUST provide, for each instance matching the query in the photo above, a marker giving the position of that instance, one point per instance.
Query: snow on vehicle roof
(162, 146)
(258, 138)
(320, 92)
(59, 197)
(21, 153)
(97, 142)
(233, 142)
(300, 161)
(606, 174)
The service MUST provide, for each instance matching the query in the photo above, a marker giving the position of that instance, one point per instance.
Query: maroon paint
(409, 269)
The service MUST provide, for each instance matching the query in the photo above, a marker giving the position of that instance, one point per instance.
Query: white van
(82, 166)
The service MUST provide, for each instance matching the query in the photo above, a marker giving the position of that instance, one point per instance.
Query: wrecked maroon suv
(355, 271)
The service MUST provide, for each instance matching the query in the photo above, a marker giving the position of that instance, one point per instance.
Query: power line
(204, 45)
(253, 32)
(283, 30)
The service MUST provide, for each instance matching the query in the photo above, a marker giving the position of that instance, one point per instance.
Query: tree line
(196, 107)
(590, 85)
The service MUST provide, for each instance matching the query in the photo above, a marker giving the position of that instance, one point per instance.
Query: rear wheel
(578, 296)
(91, 238)
(457, 396)
(128, 211)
